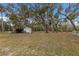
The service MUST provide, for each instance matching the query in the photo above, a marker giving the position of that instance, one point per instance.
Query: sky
(64, 5)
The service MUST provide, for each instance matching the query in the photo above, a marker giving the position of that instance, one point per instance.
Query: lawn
(39, 43)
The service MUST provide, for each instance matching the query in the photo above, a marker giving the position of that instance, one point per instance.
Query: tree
(54, 17)
(71, 13)
(13, 17)
(46, 15)
(2, 9)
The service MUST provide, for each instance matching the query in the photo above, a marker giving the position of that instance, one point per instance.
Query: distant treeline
(39, 16)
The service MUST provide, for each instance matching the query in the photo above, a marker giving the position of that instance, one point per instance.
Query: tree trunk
(73, 25)
(45, 25)
(46, 28)
(54, 25)
(2, 22)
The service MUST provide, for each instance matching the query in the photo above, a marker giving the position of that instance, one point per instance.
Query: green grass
(39, 43)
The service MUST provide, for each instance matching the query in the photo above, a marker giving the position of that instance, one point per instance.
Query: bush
(38, 27)
(19, 30)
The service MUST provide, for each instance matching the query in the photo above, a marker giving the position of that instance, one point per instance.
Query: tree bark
(73, 25)
(2, 22)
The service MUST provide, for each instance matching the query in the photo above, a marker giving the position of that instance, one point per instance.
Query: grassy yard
(39, 43)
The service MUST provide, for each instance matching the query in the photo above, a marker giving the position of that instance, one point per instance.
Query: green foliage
(56, 15)
(42, 11)
(38, 27)
(18, 15)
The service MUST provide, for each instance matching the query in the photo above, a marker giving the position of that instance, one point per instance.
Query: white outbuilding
(27, 30)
